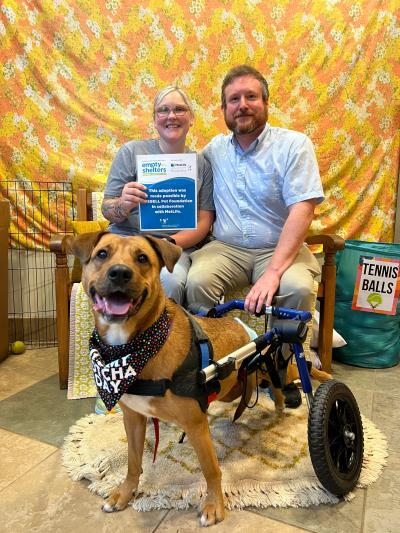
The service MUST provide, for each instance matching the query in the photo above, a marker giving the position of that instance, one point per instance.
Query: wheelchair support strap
(156, 437)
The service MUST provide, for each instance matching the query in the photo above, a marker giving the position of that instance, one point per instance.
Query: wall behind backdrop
(78, 78)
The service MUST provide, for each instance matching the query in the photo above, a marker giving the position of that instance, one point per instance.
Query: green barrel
(373, 340)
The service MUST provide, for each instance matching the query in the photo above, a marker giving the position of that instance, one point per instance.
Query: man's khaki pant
(219, 267)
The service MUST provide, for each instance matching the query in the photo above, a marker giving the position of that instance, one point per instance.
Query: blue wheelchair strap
(205, 354)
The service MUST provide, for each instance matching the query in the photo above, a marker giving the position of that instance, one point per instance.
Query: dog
(121, 276)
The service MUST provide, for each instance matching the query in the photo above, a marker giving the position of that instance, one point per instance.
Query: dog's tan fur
(226, 335)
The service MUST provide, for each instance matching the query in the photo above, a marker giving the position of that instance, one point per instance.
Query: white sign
(171, 181)
(377, 285)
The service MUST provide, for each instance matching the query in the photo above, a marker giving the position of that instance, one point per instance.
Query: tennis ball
(18, 347)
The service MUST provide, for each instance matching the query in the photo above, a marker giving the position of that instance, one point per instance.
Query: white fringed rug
(264, 459)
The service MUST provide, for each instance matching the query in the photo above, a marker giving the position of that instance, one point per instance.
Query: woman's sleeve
(205, 183)
(122, 171)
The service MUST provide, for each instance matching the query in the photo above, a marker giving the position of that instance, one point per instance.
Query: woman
(173, 116)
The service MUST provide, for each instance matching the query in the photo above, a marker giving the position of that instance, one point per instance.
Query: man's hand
(262, 291)
(289, 244)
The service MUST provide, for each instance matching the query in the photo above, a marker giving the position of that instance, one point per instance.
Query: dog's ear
(82, 245)
(168, 252)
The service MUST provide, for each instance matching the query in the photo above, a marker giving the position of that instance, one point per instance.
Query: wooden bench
(63, 280)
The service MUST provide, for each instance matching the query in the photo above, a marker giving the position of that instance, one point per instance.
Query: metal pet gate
(38, 210)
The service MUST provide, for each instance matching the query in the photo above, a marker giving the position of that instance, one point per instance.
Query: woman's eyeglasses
(177, 110)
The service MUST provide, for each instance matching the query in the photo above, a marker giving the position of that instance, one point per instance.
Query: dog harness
(185, 381)
(117, 368)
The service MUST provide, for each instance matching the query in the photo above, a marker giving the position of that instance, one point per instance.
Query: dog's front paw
(117, 501)
(210, 514)
(108, 508)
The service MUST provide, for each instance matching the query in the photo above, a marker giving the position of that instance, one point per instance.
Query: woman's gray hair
(171, 89)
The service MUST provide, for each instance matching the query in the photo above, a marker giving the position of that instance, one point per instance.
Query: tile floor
(38, 495)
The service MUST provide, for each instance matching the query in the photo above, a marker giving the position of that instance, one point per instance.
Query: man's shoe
(292, 395)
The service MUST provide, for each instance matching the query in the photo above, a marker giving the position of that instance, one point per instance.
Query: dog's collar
(115, 368)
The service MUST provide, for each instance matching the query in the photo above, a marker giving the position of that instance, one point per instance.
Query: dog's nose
(119, 274)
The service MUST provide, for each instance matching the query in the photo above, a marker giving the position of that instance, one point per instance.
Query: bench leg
(62, 306)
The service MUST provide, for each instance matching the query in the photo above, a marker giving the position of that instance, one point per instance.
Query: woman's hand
(117, 209)
(133, 194)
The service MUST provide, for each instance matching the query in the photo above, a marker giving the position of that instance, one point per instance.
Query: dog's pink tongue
(113, 305)
(117, 308)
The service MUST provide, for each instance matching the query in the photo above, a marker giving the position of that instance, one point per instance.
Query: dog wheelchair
(335, 432)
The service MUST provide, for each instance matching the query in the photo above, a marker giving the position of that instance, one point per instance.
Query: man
(266, 186)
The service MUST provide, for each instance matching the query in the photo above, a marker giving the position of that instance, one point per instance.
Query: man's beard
(255, 123)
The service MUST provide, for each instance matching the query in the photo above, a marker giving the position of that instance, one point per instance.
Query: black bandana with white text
(115, 368)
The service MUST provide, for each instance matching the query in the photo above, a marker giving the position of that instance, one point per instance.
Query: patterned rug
(264, 459)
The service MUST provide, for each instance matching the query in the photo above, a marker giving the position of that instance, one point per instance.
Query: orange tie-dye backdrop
(78, 78)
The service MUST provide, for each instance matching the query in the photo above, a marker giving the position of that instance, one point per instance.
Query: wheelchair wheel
(335, 437)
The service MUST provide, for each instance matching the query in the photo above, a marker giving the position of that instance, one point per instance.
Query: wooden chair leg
(62, 307)
(331, 244)
(327, 312)
(325, 337)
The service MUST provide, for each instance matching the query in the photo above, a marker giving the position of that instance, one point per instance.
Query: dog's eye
(142, 258)
(102, 254)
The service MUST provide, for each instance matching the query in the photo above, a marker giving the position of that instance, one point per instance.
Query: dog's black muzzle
(119, 276)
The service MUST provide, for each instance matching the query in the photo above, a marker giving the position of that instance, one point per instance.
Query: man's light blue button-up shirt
(254, 188)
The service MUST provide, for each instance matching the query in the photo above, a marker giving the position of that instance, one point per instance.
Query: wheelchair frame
(335, 432)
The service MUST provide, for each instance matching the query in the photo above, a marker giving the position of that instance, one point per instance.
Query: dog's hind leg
(135, 427)
(279, 400)
(320, 375)
(212, 509)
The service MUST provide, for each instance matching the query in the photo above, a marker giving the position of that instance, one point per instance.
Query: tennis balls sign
(377, 285)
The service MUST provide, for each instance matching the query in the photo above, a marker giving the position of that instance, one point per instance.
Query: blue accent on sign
(171, 204)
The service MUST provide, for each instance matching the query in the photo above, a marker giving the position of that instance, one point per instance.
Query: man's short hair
(238, 72)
